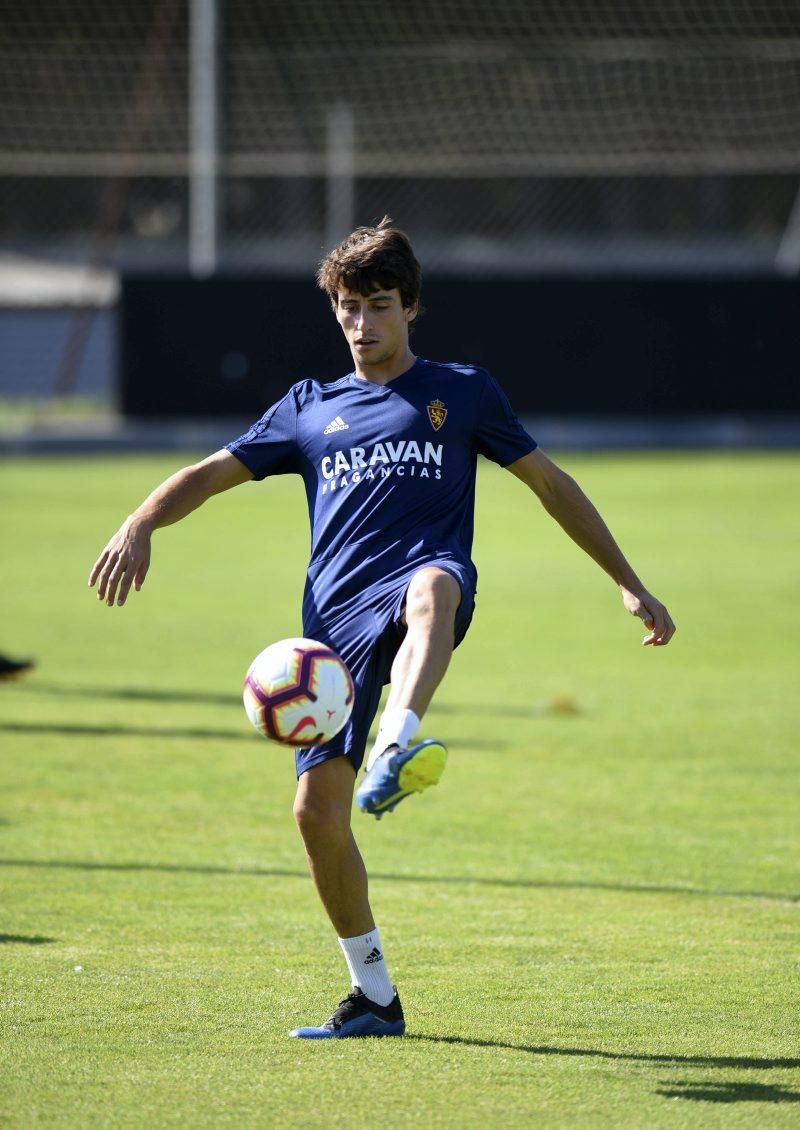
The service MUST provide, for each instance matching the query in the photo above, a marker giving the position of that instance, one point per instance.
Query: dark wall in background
(226, 347)
(559, 346)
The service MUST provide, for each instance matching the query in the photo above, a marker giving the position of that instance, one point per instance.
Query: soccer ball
(298, 692)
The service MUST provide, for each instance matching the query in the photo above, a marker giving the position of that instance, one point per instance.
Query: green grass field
(593, 921)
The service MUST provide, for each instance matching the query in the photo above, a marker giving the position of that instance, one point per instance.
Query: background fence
(575, 137)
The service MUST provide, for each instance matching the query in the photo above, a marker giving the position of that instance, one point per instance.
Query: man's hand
(653, 615)
(123, 562)
(564, 500)
(126, 558)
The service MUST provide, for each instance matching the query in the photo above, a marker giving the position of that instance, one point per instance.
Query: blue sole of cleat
(396, 1029)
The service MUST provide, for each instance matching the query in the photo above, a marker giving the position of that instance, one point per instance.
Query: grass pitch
(592, 921)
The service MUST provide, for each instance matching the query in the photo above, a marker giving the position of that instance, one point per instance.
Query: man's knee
(320, 820)
(433, 594)
(323, 803)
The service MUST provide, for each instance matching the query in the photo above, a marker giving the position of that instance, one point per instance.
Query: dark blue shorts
(368, 639)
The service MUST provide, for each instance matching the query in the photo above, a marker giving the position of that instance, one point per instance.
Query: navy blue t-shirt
(389, 470)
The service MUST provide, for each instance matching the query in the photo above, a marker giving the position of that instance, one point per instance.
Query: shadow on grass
(102, 730)
(132, 694)
(713, 1091)
(25, 940)
(160, 694)
(750, 1062)
(465, 880)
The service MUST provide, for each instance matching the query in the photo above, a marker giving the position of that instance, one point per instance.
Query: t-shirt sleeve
(270, 446)
(499, 434)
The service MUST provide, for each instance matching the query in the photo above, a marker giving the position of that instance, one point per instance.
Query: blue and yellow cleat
(398, 773)
(357, 1015)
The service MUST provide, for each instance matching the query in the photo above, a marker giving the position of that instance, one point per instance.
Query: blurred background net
(572, 136)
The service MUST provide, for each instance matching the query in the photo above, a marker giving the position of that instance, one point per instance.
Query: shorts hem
(322, 757)
(463, 617)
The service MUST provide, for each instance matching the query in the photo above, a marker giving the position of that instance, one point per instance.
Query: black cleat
(357, 1015)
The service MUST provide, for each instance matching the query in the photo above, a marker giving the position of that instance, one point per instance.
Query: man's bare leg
(322, 811)
(324, 799)
(432, 601)
(396, 768)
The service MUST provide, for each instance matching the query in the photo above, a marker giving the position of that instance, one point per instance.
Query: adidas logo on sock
(337, 425)
(371, 958)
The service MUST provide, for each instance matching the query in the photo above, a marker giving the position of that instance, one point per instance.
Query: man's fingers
(103, 570)
(98, 565)
(111, 590)
(102, 583)
(661, 630)
(653, 615)
(106, 573)
(658, 622)
(140, 574)
(124, 587)
(115, 577)
(124, 562)
(126, 572)
(134, 574)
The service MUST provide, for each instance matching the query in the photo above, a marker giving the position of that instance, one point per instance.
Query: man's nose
(362, 317)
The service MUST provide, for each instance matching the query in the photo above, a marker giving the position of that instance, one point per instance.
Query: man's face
(375, 325)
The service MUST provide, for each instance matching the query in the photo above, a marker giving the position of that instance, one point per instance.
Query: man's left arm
(564, 500)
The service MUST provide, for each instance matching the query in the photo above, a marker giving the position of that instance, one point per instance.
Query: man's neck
(385, 371)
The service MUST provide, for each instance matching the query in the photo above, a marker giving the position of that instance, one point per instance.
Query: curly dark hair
(370, 259)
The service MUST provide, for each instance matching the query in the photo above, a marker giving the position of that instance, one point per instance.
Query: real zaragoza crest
(437, 414)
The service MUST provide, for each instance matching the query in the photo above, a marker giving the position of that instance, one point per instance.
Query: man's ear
(411, 312)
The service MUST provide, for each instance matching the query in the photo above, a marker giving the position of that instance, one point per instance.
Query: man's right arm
(126, 558)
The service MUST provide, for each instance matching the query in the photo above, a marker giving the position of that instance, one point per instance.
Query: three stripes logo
(337, 425)
(371, 958)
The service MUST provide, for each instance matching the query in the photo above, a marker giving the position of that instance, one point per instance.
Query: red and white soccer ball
(298, 692)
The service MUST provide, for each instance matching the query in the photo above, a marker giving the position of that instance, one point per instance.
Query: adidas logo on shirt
(376, 954)
(337, 425)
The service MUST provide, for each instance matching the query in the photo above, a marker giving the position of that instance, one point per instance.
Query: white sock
(397, 727)
(364, 957)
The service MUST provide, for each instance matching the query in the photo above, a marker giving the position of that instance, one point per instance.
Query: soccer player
(388, 458)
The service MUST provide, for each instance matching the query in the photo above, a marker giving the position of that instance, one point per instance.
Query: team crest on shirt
(437, 414)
